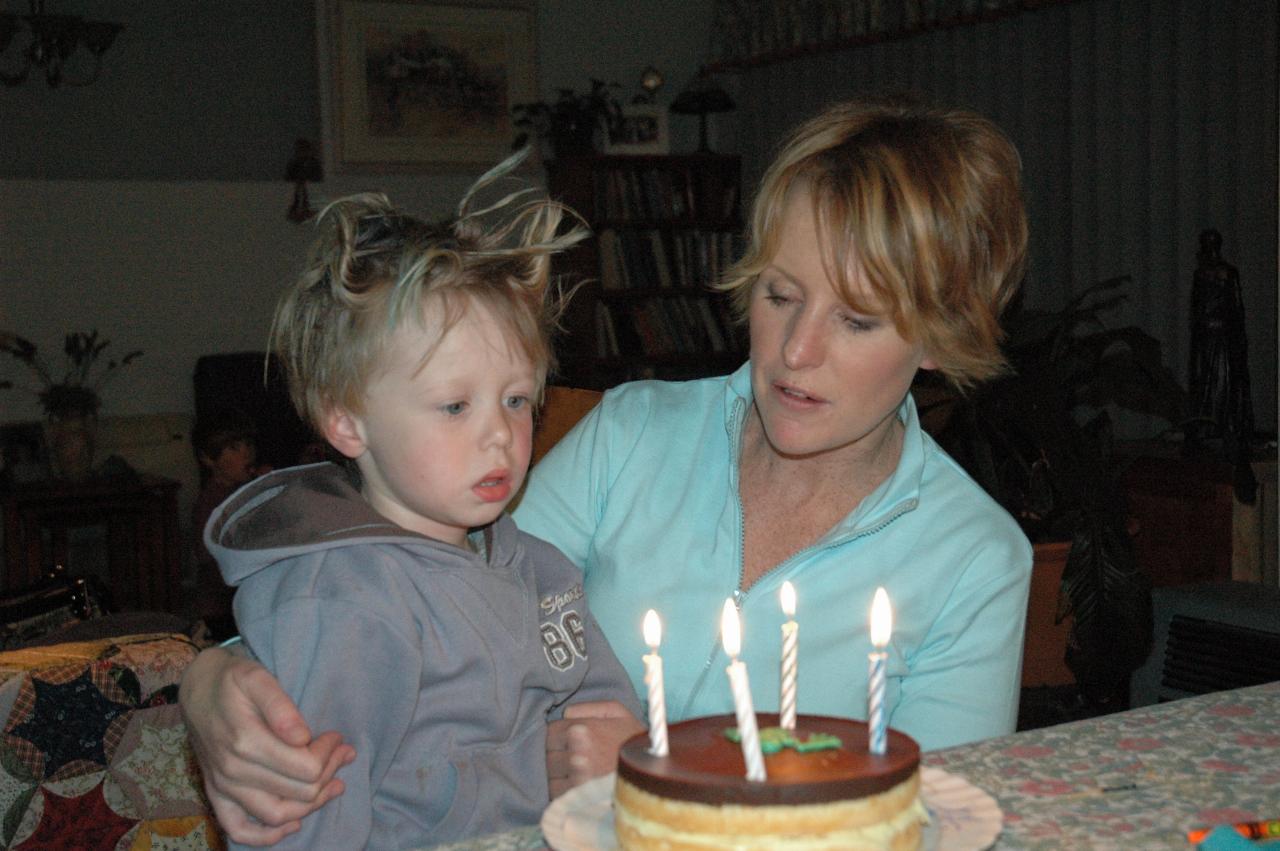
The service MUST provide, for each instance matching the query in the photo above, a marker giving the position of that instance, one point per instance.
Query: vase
(71, 444)
(1045, 648)
(573, 139)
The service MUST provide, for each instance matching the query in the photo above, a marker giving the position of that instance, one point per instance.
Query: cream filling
(875, 836)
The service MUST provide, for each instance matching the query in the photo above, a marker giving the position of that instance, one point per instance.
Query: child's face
(444, 447)
(234, 464)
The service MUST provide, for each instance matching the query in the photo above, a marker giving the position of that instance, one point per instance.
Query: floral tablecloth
(1136, 779)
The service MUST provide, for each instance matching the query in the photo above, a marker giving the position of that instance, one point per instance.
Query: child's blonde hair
(926, 203)
(374, 268)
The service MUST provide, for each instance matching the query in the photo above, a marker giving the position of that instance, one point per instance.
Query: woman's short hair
(925, 203)
(375, 268)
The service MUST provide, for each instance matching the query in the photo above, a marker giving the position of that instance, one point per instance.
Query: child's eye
(515, 403)
(454, 408)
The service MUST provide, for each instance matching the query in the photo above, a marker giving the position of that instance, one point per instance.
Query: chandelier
(51, 43)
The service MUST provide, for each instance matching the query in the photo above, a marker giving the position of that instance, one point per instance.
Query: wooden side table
(140, 515)
(1190, 526)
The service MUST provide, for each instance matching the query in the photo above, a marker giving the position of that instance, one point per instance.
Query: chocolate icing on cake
(705, 766)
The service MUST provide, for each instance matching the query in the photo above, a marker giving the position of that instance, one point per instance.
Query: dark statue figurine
(1218, 376)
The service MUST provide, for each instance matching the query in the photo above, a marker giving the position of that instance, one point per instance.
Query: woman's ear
(345, 432)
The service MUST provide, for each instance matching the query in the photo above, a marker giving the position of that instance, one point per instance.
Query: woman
(885, 239)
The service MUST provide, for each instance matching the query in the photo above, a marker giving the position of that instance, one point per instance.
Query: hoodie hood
(317, 507)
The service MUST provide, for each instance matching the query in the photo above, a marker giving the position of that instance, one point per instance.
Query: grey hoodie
(442, 667)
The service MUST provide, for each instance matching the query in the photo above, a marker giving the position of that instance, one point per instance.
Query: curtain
(1140, 123)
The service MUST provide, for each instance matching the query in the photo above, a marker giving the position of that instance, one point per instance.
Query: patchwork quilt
(94, 751)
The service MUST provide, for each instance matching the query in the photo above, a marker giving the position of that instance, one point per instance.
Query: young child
(224, 440)
(395, 600)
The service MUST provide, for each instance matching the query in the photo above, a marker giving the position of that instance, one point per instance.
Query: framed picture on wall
(418, 85)
(642, 129)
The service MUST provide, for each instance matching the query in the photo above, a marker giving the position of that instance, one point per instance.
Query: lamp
(702, 97)
(650, 81)
(53, 40)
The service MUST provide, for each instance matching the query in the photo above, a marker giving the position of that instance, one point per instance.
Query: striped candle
(881, 628)
(790, 642)
(730, 632)
(653, 679)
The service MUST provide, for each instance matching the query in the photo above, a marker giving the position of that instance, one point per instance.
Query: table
(140, 513)
(1136, 779)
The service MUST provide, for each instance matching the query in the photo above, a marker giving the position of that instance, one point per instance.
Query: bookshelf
(664, 228)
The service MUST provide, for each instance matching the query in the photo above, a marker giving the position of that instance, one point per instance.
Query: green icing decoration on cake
(774, 739)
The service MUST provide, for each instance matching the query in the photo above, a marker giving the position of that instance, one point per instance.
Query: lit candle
(730, 635)
(881, 627)
(653, 679)
(787, 691)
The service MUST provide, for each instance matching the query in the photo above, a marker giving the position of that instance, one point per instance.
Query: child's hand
(262, 769)
(585, 743)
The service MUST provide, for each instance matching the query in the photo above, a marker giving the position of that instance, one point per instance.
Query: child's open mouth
(494, 488)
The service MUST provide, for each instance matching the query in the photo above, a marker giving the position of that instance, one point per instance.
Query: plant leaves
(1110, 599)
(1024, 437)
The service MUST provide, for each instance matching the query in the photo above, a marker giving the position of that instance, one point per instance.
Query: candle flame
(788, 599)
(730, 631)
(881, 619)
(652, 630)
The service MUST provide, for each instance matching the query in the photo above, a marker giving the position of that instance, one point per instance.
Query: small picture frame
(642, 129)
(23, 455)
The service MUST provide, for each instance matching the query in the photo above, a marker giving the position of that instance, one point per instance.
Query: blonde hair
(925, 203)
(373, 268)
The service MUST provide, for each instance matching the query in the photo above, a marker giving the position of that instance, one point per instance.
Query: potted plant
(71, 399)
(1039, 440)
(571, 122)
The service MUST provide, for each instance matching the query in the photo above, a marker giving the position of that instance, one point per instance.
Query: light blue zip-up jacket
(643, 495)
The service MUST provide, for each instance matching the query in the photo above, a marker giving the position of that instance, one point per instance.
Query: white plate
(964, 818)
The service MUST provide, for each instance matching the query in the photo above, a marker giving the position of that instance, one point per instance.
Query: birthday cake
(824, 790)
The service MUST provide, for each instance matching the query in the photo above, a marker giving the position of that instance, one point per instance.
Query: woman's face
(825, 377)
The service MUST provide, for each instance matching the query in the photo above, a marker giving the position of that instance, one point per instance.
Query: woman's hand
(263, 770)
(585, 743)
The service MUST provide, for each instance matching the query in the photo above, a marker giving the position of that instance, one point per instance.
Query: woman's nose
(805, 343)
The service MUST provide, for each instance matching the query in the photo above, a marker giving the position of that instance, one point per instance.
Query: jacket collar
(896, 495)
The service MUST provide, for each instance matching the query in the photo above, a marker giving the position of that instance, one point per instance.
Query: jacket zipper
(740, 596)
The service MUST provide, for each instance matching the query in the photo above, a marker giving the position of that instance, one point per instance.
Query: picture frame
(422, 85)
(24, 456)
(641, 129)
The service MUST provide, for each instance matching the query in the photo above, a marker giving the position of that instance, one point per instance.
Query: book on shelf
(709, 322)
(606, 335)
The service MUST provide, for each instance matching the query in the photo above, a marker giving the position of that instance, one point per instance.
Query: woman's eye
(454, 408)
(515, 403)
(856, 323)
